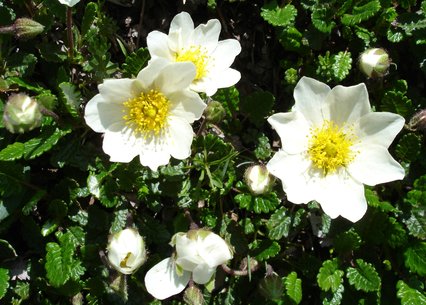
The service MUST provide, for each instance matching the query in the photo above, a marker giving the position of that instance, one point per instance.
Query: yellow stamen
(198, 56)
(147, 113)
(330, 147)
(123, 263)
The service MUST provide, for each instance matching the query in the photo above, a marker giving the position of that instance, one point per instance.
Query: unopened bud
(271, 287)
(21, 113)
(418, 121)
(258, 179)
(215, 112)
(193, 296)
(126, 251)
(374, 62)
(25, 28)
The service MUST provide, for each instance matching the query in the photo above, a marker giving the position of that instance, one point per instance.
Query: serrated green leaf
(329, 276)
(278, 16)
(265, 249)
(336, 297)
(415, 258)
(230, 99)
(374, 201)
(408, 295)
(258, 204)
(348, 241)
(362, 13)
(12, 152)
(279, 224)
(57, 270)
(263, 150)
(4, 281)
(396, 235)
(342, 64)
(322, 19)
(416, 223)
(88, 17)
(135, 62)
(71, 98)
(409, 147)
(293, 287)
(119, 221)
(364, 277)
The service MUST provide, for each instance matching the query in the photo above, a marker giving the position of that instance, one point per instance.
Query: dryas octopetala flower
(198, 253)
(69, 3)
(332, 144)
(126, 251)
(200, 46)
(149, 116)
(374, 62)
(21, 113)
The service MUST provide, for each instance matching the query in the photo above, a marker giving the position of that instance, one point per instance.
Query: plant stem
(69, 33)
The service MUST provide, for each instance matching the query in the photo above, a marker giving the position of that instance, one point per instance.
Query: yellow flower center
(330, 147)
(198, 56)
(147, 113)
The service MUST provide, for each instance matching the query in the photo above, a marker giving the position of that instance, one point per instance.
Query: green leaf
(346, 242)
(374, 201)
(342, 64)
(409, 147)
(88, 17)
(361, 13)
(329, 276)
(322, 19)
(263, 150)
(416, 223)
(258, 106)
(4, 281)
(56, 264)
(278, 16)
(279, 224)
(293, 287)
(258, 204)
(408, 295)
(71, 98)
(12, 152)
(336, 297)
(230, 99)
(136, 62)
(265, 249)
(415, 258)
(364, 277)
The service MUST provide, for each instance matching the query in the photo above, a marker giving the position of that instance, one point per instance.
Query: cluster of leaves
(60, 197)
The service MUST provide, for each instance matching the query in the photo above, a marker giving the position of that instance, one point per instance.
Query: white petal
(158, 45)
(207, 35)
(153, 157)
(175, 77)
(293, 130)
(215, 80)
(99, 114)
(162, 280)
(339, 194)
(187, 105)
(225, 53)
(120, 144)
(310, 95)
(294, 173)
(203, 273)
(214, 250)
(149, 74)
(117, 90)
(180, 138)
(187, 253)
(379, 128)
(374, 165)
(180, 32)
(348, 104)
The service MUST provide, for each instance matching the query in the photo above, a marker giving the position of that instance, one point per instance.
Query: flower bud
(126, 251)
(258, 179)
(374, 62)
(418, 121)
(193, 296)
(21, 113)
(25, 28)
(214, 112)
(69, 3)
(271, 287)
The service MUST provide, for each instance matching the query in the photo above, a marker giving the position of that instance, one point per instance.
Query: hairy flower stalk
(332, 144)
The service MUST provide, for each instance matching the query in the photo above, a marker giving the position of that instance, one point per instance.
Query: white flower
(201, 46)
(69, 3)
(126, 251)
(21, 113)
(258, 179)
(198, 253)
(149, 116)
(332, 144)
